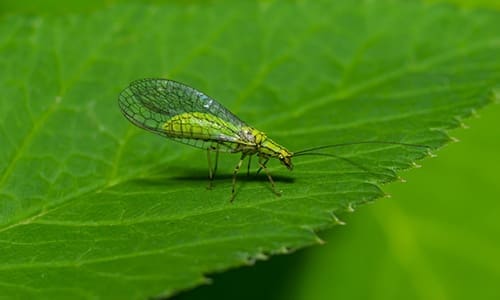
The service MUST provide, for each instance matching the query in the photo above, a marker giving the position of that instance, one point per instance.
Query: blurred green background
(438, 237)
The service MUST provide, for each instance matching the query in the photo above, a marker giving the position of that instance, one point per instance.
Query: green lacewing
(184, 114)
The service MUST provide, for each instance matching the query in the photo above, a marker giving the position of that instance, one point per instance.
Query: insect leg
(248, 167)
(235, 172)
(263, 166)
(211, 172)
(216, 158)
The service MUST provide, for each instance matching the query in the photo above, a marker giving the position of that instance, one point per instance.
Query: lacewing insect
(186, 115)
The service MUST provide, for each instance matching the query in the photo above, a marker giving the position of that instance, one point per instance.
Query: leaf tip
(495, 95)
(320, 241)
(205, 280)
(284, 250)
(431, 154)
(336, 220)
(473, 113)
(251, 260)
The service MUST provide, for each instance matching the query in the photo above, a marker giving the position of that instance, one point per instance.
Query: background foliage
(415, 254)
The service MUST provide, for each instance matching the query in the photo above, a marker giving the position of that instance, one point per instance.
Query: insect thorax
(259, 143)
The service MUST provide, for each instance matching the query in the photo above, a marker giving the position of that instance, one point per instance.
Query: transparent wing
(150, 103)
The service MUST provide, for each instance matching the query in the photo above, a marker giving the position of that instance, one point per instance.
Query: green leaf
(92, 207)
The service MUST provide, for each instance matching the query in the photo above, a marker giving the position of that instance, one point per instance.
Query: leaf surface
(92, 207)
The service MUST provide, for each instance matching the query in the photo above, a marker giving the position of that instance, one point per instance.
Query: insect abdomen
(199, 126)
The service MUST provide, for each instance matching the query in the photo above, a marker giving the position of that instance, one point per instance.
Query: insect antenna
(350, 161)
(309, 150)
